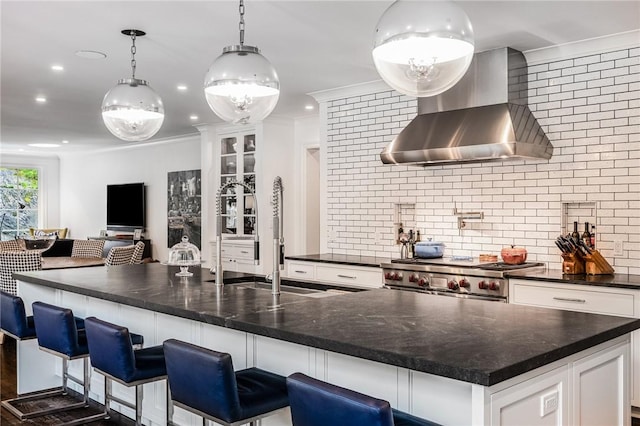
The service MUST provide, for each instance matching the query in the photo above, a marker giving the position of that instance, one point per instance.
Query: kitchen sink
(300, 291)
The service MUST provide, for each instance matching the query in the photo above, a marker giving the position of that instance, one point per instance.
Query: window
(18, 201)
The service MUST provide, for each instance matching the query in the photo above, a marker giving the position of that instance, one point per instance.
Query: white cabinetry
(542, 401)
(583, 298)
(254, 155)
(346, 275)
(237, 255)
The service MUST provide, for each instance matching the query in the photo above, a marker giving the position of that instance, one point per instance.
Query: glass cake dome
(184, 254)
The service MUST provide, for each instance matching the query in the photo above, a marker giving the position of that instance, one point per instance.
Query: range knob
(482, 285)
(453, 285)
(413, 278)
(388, 275)
(495, 286)
(397, 276)
(464, 283)
(422, 282)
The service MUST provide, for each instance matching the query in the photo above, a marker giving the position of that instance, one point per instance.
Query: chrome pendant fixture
(241, 85)
(423, 48)
(132, 110)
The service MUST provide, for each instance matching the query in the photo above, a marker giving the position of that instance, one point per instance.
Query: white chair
(87, 248)
(137, 253)
(120, 255)
(17, 261)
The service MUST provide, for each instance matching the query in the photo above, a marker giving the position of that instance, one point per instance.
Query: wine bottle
(586, 235)
(575, 234)
(593, 236)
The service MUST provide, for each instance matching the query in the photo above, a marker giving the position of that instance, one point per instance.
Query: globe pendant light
(422, 48)
(132, 110)
(241, 85)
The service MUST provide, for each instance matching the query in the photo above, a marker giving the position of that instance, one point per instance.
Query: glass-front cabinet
(237, 162)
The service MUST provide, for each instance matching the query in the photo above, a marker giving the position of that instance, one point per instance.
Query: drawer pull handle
(300, 272)
(567, 299)
(244, 252)
(347, 276)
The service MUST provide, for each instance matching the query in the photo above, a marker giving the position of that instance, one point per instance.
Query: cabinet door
(237, 163)
(601, 380)
(541, 401)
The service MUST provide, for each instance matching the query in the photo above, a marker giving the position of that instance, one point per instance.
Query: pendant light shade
(241, 85)
(132, 110)
(423, 48)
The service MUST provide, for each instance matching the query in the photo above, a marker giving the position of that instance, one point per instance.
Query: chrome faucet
(278, 239)
(256, 241)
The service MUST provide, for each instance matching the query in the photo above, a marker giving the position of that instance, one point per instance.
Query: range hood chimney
(484, 117)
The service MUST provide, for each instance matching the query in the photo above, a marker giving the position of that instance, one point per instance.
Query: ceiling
(314, 46)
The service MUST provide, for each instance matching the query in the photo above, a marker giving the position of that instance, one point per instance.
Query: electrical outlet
(617, 248)
(548, 403)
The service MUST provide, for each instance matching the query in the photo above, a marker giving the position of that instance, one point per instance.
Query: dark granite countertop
(341, 259)
(470, 340)
(555, 275)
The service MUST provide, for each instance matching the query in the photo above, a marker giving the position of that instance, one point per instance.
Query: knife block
(572, 264)
(595, 264)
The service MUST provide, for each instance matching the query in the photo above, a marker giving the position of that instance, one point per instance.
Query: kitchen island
(451, 360)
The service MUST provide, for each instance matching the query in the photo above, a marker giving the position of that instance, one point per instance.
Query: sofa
(45, 232)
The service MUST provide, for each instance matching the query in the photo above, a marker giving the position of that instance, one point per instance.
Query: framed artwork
(184, 207)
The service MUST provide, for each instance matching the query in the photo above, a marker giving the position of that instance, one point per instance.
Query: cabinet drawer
(233, 251)
(601, 302)
(350, 276)
(301, 270)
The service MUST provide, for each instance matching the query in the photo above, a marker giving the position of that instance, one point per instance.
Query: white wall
(307, 136)
(49, 185)
(589, 106)
(84, 179)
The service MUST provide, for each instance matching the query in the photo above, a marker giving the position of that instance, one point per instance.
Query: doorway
(312, 201)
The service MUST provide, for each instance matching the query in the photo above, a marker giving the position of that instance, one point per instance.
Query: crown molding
(592, 46)
(350, 91)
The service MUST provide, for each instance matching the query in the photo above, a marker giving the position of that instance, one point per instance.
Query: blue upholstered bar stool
(14, 321)
(113, 355)
(317, 403)
(203, 382)
(61, 334)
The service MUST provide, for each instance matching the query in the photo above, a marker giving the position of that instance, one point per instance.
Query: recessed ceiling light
(309, 107)
(65, 141)
(90, 54)
(41, 99)
(182, 87)
(193, 117)
(44, 145)
(57, 67)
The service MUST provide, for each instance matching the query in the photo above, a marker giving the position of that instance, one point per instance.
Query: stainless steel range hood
(484, 117)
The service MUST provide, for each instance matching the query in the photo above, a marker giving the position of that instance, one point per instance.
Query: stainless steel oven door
(449, 294)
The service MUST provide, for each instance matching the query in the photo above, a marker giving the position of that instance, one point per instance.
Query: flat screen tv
(125, 207)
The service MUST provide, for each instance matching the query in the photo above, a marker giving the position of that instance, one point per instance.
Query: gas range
(460, 277)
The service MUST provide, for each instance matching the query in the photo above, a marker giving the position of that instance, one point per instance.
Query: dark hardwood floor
(8, 390)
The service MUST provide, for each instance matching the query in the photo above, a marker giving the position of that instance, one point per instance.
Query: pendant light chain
(241, 24)
(133, 54)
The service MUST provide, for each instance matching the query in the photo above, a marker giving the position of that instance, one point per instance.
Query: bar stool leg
(65, 375)
(139, 392)
(107, 396)
(169, 407)
(86, 380)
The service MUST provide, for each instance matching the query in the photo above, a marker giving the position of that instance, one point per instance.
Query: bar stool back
(112, 352)
(14, 321)
(203, 382)
(317, 403)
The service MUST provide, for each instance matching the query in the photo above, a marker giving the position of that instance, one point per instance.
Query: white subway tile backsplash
(588, 107)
